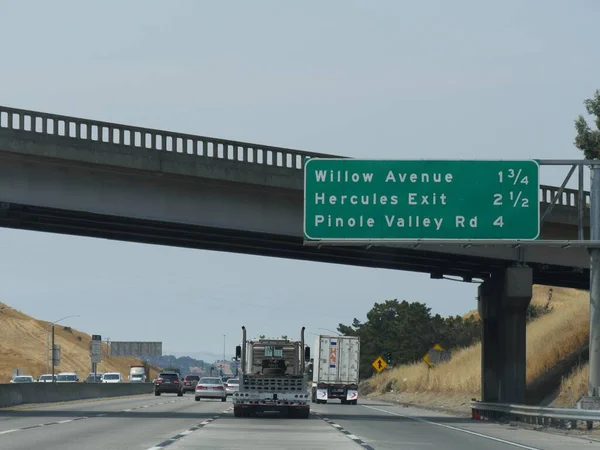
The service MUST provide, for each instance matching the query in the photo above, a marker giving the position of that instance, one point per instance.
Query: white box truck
(335, 369)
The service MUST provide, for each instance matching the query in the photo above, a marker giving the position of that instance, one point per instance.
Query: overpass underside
(37, 218)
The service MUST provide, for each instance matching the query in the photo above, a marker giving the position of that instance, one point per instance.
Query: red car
(190, 382)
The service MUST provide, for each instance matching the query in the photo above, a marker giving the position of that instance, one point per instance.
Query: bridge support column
(502, 303)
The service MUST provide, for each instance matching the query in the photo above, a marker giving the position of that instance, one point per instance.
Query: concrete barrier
(23, 393)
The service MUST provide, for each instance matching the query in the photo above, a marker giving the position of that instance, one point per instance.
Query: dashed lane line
(189, 431)
(345, 432)
(60, 422)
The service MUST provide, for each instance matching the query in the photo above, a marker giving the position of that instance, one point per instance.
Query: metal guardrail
(537, 415)
(78, 129)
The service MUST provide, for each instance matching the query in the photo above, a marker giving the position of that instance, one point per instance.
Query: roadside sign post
(56, 354)
(594, 339)
(96, 353)
(351, 200)
(379, 364)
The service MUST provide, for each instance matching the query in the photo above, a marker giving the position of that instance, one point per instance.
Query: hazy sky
(385, 79)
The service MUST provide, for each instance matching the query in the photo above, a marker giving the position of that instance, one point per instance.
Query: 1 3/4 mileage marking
(514, 177)
(349, 199)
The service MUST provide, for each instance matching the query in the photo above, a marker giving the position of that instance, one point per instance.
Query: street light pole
(53, 353)
(52, 349)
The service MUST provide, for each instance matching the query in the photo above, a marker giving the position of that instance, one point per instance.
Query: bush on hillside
(408, 331)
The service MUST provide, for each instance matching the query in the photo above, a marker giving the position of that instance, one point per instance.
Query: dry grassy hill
(550, 339)
(23, 341)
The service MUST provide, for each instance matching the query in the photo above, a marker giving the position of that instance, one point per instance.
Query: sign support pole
(594, 342)
(53, 354)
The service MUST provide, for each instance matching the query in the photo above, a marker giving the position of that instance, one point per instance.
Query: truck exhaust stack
(243, 349)
(302, 362)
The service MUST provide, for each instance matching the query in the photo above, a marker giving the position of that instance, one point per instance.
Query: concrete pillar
(502, 303)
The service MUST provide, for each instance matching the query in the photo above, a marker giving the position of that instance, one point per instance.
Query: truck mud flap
(322, 395)
(352, 396)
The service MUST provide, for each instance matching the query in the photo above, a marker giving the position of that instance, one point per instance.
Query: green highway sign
(379, 200)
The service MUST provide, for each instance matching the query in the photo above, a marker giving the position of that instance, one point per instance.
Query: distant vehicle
(139, 374)
(190, 382)
(67, 377)
(112, 377)
(168, 382)
(46, 378)
(335, 369)
(94, 379)
(227, 376)
(232, 385)
(210, 387)
(22, 379)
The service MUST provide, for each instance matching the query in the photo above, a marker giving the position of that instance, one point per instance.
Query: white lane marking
(450, 427)
(41, 425)
(183, 434)
(345, 432)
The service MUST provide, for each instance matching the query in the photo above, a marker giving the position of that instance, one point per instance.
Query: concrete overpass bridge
(87, 177)
(91, 178)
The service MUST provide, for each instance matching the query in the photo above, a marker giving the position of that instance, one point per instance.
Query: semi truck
(272, 374)
(335, 369)
(139, 374)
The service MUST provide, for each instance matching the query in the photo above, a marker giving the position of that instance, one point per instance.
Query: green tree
(401, 328)
(588, 140)
(407, 331)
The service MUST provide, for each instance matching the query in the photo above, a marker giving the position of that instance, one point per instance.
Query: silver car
(232, 385)
(210, 387)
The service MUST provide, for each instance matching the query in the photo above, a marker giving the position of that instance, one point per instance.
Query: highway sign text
(350, 199)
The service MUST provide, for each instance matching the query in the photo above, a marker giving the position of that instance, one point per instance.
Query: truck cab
(137, 374)
(272, 377)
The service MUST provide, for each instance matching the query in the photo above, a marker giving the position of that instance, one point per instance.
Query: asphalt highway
(151, 423)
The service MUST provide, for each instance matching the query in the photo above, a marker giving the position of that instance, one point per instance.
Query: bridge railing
(79, 129)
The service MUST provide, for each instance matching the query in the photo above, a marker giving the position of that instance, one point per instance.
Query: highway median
(21, 394)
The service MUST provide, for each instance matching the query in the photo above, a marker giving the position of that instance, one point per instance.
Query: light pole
(223, 365)
(52, 349)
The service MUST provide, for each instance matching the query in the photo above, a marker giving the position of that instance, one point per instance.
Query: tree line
(408, 331)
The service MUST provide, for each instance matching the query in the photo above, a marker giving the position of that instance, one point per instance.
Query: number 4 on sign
(499, 222)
